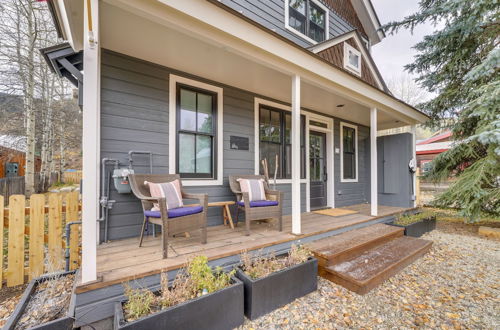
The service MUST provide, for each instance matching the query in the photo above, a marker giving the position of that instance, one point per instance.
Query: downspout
(68, 234)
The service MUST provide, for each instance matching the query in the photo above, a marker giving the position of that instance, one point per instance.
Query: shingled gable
(332, 50)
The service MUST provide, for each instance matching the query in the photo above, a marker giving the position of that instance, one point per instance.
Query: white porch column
(295, 135)
(90, 140)
(373, 163)
(414, 156)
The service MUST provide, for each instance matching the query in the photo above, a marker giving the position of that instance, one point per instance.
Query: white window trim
(347, 65)
(342, 124)
(172, 134)
(257, 103)
(303, 36)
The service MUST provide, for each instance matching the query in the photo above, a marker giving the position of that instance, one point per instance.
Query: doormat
(336, 212)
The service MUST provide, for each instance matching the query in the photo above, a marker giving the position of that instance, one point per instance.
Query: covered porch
(178, 42)
(123, 260)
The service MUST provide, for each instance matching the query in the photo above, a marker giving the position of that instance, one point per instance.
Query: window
(349, 152)
(275, 140)
(426, 166)
(352, 59)
(196, 132)
(309, 18)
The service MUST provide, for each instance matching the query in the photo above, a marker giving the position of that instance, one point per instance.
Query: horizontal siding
(349, 193)
(271, 14)
(134, 116)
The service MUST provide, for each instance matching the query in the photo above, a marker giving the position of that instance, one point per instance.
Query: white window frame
(257, 103)
(348, 48)
(172, 134)
(342, 124)
(303, 36)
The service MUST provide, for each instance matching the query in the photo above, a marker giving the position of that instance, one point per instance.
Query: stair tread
(373, 262)
(335, 245)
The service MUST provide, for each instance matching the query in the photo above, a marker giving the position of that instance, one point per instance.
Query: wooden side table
(226, 212)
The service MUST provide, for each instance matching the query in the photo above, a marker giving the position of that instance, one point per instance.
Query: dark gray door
(318, 174)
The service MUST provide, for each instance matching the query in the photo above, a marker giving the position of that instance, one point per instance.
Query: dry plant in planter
(197, 279)
(273, 281)
(263, 265)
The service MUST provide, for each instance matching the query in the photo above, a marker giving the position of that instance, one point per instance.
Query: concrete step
(346, 245)
(366, 270)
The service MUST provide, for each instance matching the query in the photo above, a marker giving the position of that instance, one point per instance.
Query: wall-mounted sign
(239, 142)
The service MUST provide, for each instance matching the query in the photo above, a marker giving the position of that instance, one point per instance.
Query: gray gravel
(455, 286)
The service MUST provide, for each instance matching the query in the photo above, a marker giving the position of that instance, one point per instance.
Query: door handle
(325, 176)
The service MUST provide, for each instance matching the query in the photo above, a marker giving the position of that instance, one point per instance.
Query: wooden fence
(33, 235)
(16, 185)
(72, 177)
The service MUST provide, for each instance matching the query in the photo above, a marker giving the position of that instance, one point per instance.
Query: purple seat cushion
(259, 203)
(177, 212)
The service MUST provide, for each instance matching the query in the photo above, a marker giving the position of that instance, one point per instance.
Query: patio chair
(174, 221)
(257, 210)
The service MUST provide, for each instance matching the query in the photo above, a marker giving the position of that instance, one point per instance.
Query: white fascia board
(368, 18)
(325, 45)
(206, 21)
(70, 15)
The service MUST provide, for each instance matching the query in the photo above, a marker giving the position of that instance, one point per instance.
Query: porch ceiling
(140, 36)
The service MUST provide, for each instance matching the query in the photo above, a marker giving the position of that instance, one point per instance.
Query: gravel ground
(455, 286)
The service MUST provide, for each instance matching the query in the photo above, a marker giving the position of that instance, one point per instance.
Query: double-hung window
(275, 141)
(196, 132)
(349, 152)
(309, 18)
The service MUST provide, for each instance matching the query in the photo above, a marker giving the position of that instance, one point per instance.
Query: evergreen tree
(460, 62)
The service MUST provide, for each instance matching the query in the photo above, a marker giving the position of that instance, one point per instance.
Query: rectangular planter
(266, 294)
(222, 309)
(419, 228)
(63, 323)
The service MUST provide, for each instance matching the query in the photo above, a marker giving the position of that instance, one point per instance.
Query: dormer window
(352, 59)
(308, 18)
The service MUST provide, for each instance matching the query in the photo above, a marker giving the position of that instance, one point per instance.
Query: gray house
(208, 89)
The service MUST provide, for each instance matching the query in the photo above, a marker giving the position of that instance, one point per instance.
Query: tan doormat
(336, 212)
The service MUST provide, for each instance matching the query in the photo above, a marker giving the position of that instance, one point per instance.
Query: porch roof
(155, 30)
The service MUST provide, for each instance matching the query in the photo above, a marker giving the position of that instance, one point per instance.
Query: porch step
(361, 259)
(346, 245)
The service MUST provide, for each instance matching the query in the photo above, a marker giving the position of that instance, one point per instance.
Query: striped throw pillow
(254, 187)
(171, 191)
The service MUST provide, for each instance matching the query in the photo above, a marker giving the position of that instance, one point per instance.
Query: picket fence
(72, 177)
(33, 238)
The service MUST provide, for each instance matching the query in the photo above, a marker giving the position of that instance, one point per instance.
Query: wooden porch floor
(123, 260)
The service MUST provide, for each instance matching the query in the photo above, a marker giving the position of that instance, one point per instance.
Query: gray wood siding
(349, 193)
(271, 14)
(134, 116)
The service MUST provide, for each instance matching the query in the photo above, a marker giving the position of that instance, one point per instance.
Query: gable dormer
(349, 53)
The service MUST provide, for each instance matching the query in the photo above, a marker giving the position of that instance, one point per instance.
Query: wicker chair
(254, 212)
(170, 225)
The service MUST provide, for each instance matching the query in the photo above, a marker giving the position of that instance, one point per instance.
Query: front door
(318, 173)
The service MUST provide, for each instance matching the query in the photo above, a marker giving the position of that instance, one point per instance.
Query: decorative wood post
(373, 163)
(90, 140)
(295, 137)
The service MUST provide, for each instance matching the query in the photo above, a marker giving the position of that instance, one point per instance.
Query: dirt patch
(9, 297)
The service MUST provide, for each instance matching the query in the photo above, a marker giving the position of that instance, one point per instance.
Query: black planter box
(222, 309)
(266, 294)
(419, 228)
(62, 323)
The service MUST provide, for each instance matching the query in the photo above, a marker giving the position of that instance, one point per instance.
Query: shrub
(408, 219)
(196, 279)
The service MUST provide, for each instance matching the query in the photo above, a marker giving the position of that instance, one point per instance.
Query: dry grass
(262, 265)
